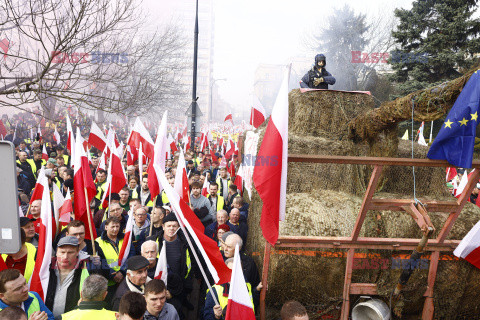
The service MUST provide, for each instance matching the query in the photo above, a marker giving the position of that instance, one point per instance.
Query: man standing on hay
(318, 77)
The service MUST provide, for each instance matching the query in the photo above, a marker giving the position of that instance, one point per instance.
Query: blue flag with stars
(456, 138)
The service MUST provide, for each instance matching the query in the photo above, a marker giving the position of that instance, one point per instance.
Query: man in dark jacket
(318, 77)
(134, 281)
(66, 277)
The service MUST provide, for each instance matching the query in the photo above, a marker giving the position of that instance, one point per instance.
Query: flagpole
(196, 258)
(90, 222)
(110, 177)
(431, 131)
(151, 223)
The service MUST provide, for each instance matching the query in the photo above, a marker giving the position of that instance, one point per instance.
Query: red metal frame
(353, 242)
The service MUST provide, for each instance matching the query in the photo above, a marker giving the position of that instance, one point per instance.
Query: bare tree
(87, 53)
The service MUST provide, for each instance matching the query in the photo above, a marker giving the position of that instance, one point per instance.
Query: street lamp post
(210, 114)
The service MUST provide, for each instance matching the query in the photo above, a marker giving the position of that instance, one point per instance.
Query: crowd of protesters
(85, 279)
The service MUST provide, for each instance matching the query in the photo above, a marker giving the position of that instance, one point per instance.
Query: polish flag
(451, 173)
(257, 115)
(161, 271)
(421, 139)
(207, 247)
(96, 137)
(158, 160)
(140, 135)
(58, 201)
(56, 136)
(173, 145)
(239, 303)
(205, 186)
(181, 179)
(65, 210)
(212, 153)
(127, 241)
(102, 163)
(231, 168)
(230, 149)
(71, 139)
(469, 247)
(3, 130)
(41, 271)
(132, 155)
(271, 179)
(463, 183)
(239, 180)
(228, 118)
(82, 180)
(116, 176)
(44, 153)
(187, 143)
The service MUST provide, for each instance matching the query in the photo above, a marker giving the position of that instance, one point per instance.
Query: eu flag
(456, 138)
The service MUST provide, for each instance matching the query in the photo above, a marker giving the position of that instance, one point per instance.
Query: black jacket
(73, 291)
(315, 73)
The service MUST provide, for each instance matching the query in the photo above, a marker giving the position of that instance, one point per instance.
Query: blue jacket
(27, 303)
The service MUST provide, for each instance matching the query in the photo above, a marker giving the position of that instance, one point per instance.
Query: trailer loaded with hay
(357, 209)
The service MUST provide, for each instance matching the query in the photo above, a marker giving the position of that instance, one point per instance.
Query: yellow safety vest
(224, 300)
(149, 203)
(89, 314)
(220, 202)
(30, 265)
(111, 254)
(34, 306)
(164, 198)
(220, 185)
(65, 159)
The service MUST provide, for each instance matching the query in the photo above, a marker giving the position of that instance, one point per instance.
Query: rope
(413, 167)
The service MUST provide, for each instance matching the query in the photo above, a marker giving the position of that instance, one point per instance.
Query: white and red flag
(41, 271)
(44, 153)
(161, 271)
(70, 139)
(97, 138)
(139, 135)
(239, 180)
(240, 304)
(82, 180)
(61, 208)
(132, 155)
(257, 115)
(181, 179)
(56, 136)
(270, 178)
(230, 149)
(463, 183)
(173, 145)
(205, 186)
(127, 241)
(469, 247)
(229, 118)
(451, 172)
(115, 176)
(158, 160)
(207, 247)
(421, 138)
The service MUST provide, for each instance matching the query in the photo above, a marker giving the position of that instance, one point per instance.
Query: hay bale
(325, 113)
(316, 277)
(324, 200)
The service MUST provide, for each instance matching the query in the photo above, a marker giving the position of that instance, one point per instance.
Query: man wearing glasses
(141, 228)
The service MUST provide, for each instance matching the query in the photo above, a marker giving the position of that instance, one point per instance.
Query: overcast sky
(251, 32)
